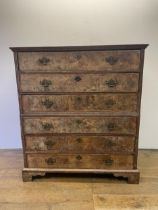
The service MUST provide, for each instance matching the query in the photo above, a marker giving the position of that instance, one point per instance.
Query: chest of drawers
(80, 109)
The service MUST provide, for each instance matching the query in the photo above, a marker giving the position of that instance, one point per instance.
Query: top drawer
(119, 60)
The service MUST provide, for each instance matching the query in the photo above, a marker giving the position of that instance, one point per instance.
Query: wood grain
(113, 125)
(80, 103)
(71, 144)
(80, 161)
(71, 61)
(86, 83)
(77, 103)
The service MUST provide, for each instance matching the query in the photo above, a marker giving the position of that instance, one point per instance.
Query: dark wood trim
(81, 153)
(101, 115)
(20, 105)
(77, 134)
(139, 101)
(70, 93)
(80, 48)
(139, 105)
(81, 114)
(74, 93)
(80, 72)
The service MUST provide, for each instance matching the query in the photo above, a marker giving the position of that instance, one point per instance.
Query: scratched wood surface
(77, 192)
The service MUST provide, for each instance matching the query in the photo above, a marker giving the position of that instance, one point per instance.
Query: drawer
(116, 125)
(71, 144)
(80, 161)
(80, 103)
(46, 143)
(123, 60)
(109, 82)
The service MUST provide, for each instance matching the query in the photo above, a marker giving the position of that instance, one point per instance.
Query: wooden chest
(80, 109)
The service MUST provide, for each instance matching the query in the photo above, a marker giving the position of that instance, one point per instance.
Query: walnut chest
(80, 109)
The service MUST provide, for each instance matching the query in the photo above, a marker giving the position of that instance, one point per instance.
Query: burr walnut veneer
(80, 109)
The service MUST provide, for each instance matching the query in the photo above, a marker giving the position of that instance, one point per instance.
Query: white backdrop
(77, 22)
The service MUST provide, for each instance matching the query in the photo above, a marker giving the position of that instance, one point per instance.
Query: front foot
(27, 175)
(134, 178)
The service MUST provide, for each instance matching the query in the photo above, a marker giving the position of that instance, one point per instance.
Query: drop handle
(109, 143)
(78, 122)
(47, 103)
(77, 78)
(111, 126)
(43, 61)
(111, 60)
(47, 126)
(79, 140)
(109, 103)
(50, 161)
(78, 98)
(45, 83)
(111, 83)
(108, 162)
(78, 157)
(77, 56)
(49, 144)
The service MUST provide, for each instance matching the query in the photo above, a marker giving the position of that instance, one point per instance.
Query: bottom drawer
(80, 161)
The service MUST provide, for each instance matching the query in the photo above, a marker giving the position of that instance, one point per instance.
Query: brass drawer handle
(46, 83)
(49, 144)
(108, 162)
(47, 103)
(43, 61)
(47, 126)
(111, 83)
(50, 161)
(78, 99)
(111, 60)
(77, 56)
(109, 103)
(78, 121)
(111, 126)
(79, 140)
(109, 143)
(77, 78)
(78, 157)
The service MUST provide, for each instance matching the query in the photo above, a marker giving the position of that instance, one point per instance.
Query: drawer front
(117, 125)
(80, 61)
(46, 143)
(82, 102)
(109, 82)
(80, 161)
(80, 144)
